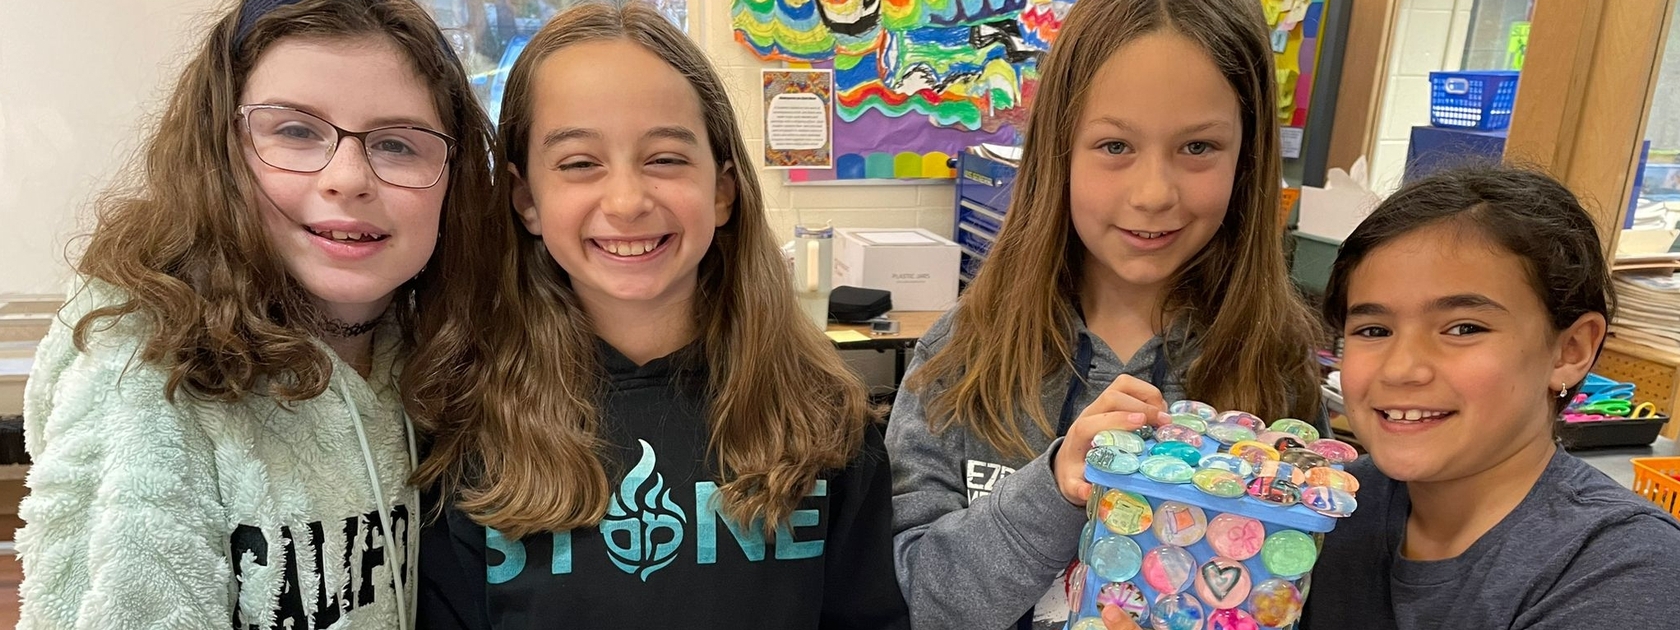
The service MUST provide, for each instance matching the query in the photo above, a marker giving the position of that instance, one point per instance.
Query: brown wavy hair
(181, 238)
(511, 400)
(1015, 324)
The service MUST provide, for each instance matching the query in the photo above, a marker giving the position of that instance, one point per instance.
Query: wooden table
(911, 326)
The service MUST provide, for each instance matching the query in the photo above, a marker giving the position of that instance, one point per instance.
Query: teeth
(348, 237)
(628, 248)
(1411, 415)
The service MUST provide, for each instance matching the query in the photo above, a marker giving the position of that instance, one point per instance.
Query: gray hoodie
(982, 538)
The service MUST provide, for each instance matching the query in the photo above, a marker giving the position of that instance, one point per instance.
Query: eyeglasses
(297, 141)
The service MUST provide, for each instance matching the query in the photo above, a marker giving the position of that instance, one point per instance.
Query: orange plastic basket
(1655, 478)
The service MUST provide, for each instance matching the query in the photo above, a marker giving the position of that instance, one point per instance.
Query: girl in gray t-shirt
(1474, 303)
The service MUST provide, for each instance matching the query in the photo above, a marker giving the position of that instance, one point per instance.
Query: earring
(1563, 390)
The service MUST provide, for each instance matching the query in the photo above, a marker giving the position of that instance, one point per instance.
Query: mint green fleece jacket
(144, 513)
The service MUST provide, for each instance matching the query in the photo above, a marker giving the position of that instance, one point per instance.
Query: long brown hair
(1015, 323)
(517, 435)
(181, 236)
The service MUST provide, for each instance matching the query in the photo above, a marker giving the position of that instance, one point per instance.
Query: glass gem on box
(1086, 536)
(1276, 603)
(1332, 478)
(1192, 422)
(1177, 611)
(1274, 490)
(1115, 558)
(1178, 433)
(1231, 619)
(1229, 463)
(1301, 430)
(1179, 524)
(1228, 433)
(1124, 513)
(1243, 419)
(1303, 458)
(1235, 536)
(1111, 459)
(1190, 455)
(1289, 554)
(1127, 596)
(1124, 440)
(1191, 407)
(1337, 451)
(1255, 453)
(1167, 469)
(1168, 569)
(1282, 470)
(1281, 441)
(1329, 501)
(1219, 483)
(1223, 583)
(1076, 582)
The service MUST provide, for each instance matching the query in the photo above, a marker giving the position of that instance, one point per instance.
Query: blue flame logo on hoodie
(643, 527)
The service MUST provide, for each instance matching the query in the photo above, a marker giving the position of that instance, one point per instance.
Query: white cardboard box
(1332, 212)
(917, 266)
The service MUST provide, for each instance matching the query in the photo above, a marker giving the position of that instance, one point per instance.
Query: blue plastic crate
(1472, 100)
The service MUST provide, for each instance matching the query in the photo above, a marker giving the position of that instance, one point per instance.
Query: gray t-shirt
(1580, 551)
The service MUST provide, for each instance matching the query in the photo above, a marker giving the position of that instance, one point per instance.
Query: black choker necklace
(343, 330)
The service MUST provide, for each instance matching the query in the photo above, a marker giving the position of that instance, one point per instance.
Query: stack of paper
(1010, 155)
(1651, 215)
(1646, 250)
(1648, 308)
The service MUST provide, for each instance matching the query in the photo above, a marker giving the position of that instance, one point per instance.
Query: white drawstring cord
(379, 496)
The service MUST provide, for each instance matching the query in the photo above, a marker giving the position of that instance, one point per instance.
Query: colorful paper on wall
(1516, 47)
(916, 81)
(798, 118)
(1297, 63)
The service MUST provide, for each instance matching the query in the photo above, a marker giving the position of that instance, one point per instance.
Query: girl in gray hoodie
(1140, 264)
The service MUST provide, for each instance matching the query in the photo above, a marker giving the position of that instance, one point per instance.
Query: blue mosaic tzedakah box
(1212, 522)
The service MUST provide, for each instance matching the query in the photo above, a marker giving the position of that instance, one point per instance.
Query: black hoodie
(665, 556)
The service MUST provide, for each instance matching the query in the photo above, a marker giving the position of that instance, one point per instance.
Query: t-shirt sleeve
(1625, 577)
(860, 589)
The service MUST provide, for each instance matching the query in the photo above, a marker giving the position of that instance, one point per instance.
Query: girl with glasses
(215, 419)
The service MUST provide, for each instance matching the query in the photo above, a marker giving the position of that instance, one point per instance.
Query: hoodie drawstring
(379, 496)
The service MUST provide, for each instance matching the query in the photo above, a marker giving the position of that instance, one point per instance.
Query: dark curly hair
(1523, 211)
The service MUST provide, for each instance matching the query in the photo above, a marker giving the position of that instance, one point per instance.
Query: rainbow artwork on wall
(916, 80)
